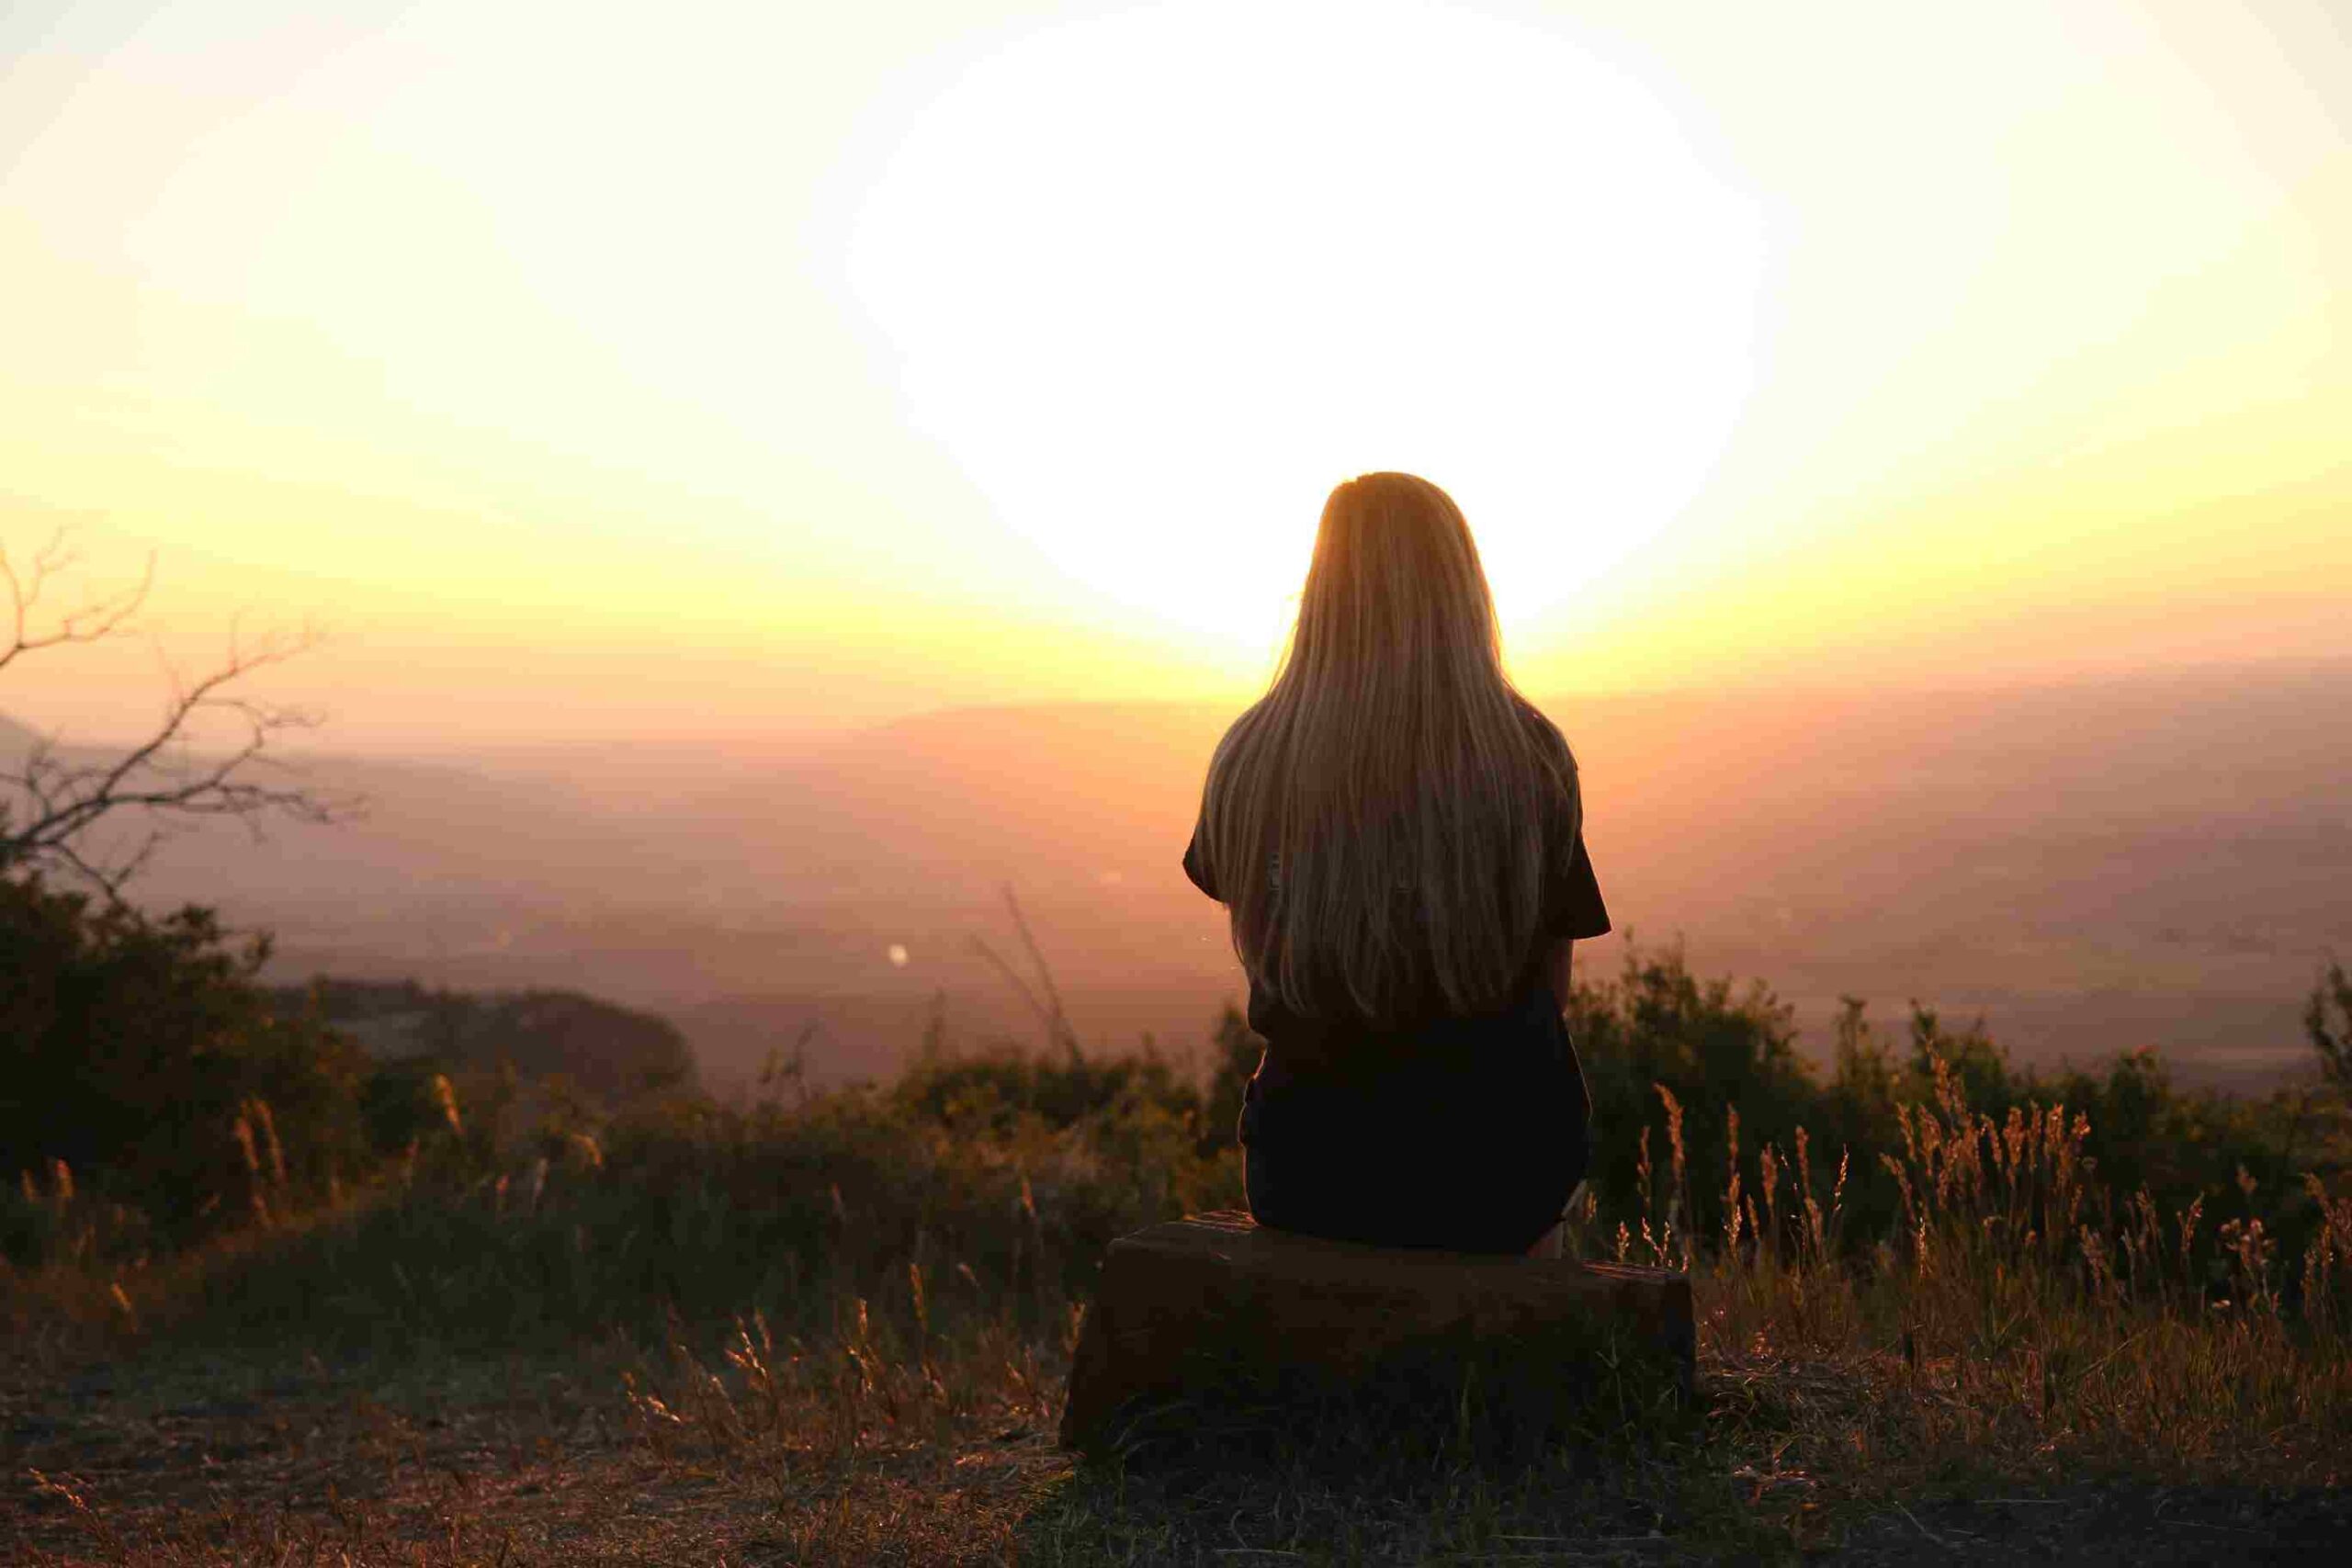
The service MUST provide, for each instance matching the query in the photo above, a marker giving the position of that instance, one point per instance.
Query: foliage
(139, 1058)
(142, 1046)
(1658, 1035)
(2327, 1023)
(1694, 1075)
(152, 1086)
(1001, 1086)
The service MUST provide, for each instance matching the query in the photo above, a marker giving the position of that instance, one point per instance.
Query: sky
(615, 374)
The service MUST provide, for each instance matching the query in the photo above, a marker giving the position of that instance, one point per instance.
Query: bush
(1716, 1071)
(999, 1088)
(1656, 1037)
(141, 1055)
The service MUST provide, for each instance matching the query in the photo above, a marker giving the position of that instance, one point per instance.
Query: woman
(1397, 835)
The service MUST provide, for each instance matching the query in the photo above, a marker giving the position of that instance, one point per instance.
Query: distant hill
(611, 1053)
(2160, 860)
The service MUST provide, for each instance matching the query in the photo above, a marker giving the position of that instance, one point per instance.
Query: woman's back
(1398, 836)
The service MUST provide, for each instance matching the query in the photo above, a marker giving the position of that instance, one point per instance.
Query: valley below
(2163, 860)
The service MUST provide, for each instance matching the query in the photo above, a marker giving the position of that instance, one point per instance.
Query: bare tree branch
(96, 619)
(50, 805)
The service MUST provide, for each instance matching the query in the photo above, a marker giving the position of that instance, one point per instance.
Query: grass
(837, 1332)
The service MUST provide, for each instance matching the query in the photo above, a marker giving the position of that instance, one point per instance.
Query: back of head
(1378, 821)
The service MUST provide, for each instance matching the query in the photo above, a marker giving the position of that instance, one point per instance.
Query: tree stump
(1198, 1308)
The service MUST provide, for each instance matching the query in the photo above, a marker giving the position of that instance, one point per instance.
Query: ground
(179, 1457)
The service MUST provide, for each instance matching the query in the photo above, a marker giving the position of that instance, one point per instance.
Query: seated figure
(1397, 837)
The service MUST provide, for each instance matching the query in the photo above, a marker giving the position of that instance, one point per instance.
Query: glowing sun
(1157, 280)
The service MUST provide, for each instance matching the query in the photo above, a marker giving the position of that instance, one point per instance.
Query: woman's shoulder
(1538, 722)
(1550, 744)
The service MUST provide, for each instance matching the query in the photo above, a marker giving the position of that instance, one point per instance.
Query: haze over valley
(2160, 860)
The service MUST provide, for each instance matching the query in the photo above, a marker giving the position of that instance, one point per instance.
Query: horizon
(325, 746)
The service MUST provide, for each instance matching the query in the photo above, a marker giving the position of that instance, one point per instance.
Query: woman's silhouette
(1398, 838)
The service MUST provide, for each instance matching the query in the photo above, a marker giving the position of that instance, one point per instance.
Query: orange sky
(800, 365)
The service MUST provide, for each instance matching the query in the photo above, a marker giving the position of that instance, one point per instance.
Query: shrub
(141, 1055)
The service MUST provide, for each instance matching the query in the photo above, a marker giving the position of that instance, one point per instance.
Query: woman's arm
(1555, 969)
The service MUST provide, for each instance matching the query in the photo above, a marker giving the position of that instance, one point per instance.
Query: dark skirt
(1471, 1138)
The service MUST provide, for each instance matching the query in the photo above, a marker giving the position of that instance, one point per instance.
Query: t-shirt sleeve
(1572, 906)
(1196, 867)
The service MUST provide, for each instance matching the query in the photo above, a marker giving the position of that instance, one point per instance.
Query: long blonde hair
(1378, 822)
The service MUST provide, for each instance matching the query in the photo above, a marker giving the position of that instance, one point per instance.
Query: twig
(1922, 1528)
(1045, 971)
(1043, 1016)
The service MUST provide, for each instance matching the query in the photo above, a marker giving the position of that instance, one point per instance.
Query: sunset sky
(638, 372)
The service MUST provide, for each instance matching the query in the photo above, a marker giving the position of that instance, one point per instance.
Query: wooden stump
(1215, 1300)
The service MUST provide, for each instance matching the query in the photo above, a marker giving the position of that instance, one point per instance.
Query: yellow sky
(782, 365)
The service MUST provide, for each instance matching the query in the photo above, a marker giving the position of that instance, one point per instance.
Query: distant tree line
(606, 1052)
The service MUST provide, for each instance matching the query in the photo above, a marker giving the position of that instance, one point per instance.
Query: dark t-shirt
(1461, 1132)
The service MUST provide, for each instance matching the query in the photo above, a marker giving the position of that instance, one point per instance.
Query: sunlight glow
(1157, 280)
